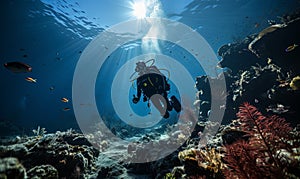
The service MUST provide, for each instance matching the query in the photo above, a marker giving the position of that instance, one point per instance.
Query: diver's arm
(139, 93)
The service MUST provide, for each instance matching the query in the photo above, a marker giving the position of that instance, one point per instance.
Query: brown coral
(200, 163)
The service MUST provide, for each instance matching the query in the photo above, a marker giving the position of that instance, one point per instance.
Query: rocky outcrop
(276, 42)
(43, 171)
(63, 154)
(259, 70)
(237, 57)
(10, 167)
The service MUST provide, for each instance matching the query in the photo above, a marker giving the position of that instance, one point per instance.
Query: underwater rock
(108, 165)
(285, 103)
(260, 66)
(15, 150)
(230, 136)
(111, 171)
(178, 172)
(75, 139)
(274, 44)
(203, 85)
(191, 167)
(204, 95)
(72, 161)
(43, 171)
(163, 166)
(131, 148)
(140, 168)
(10, 167)
(268, 87)
(253, 84)
(237, 56)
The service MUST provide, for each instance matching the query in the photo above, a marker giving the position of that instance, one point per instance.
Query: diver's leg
(176, 104)
(169, 106)
(160, 104)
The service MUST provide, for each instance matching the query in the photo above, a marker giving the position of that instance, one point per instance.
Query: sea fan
(261, 155)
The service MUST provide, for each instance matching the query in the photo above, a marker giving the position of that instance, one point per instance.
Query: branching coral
(210, 159)
(39, 131)
(261, 156)
(202, 163)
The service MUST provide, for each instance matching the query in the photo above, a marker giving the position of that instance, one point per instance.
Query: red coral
(259, 156)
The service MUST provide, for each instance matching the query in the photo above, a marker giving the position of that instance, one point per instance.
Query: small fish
(269, 61)
(64, 100)
(66, 109)
(291, 47)
(271, 22)
(18, 67)
(51, 88)
(63, 162)
(29, 79)
(283, 84)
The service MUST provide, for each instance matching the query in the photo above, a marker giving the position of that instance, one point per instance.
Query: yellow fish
(29, 79)
(291, 47)
(64, 100)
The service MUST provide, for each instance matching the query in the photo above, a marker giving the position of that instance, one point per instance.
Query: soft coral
(260, 156)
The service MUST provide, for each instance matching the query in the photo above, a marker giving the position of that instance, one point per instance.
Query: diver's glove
(135, 99)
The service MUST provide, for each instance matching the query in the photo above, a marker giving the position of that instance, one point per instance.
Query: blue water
(51, 36)
(118, 58)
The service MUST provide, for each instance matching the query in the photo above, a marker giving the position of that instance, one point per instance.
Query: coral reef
(274, 45)
(238, 54)
(43, 171)
(202, 163)
(264, 73)
(68, 152)
(271, 151)
(39, 131)
(261, 69)
(295, 83)
(10, 167)
(254, 146)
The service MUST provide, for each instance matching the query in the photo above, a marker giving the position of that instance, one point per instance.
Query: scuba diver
(154, 86)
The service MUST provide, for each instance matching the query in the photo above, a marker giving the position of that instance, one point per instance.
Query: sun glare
(139, 10)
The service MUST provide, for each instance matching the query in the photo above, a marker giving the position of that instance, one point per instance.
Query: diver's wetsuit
(150, 84)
